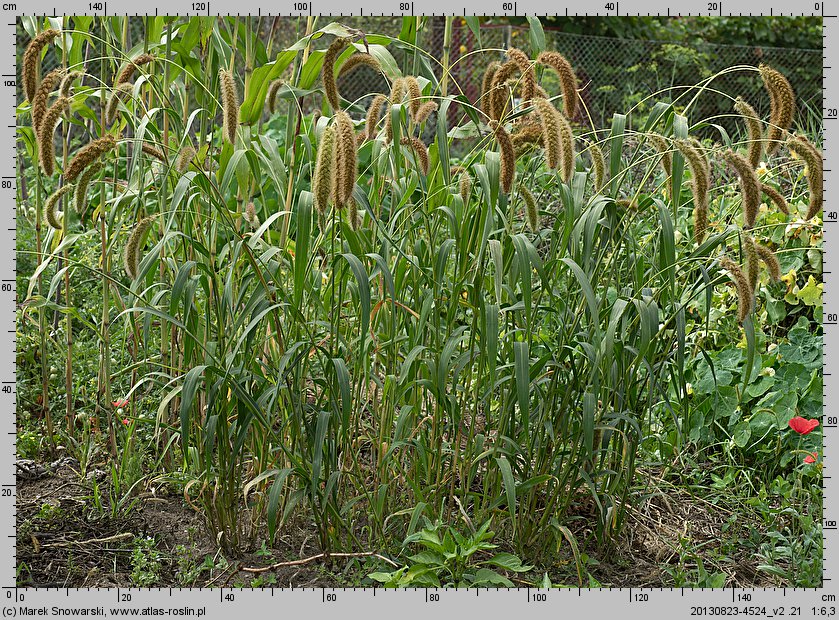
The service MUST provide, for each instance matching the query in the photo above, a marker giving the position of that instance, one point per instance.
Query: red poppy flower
(126, 422)
(802, 426)
(811, 458)
(122, 402)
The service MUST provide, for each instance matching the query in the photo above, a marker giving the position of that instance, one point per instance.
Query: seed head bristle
(251, 217)
(499, 92)
(749, 186)
(425, 110)
(528, 74)
(273, 89)
(754, 130)
(812, 157)
(42, 93)
(776, 197)
(325, 170)
(32, 61)
(486, 86)
(418, 146)
(121, 93)
(701, 171)
(230, 104)
(531, 210)
(782, 101)
(136, 241)
(373, 114)
(88, 154)
(185, 157)
(51, 207)
(525, 136)
(744, 295)
(550, 119)
(46, 148)
(330, 85)
(83, 183)
(508, 157)
(128, 70)
(567, 79)
(153, 151)
(566, 139)
(357, 60)
(347, 159)
(770, 260)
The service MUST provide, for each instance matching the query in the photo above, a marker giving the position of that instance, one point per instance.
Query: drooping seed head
(499, 92)
(425, 110)
(486, 86)
(525, 68)
(754, 130)
(129, 69)
(414, 95)
(121, 93)
(251, 217)
(567, 79)
(770, 260)
(744, 294)
(782, 101)
(701, 172)
(273, 89)
(531, 210)
(185, 157)
(358, 60)
(325, 170)
(814, 160)
(373, 114)
(230, 105)
(776, 197)
(464, 186)
(347, 159)
(42, 93)
(53, 218)
(508, 157)
(32, 61)
(88, 154)
(598, 164)
(134, 247)
(330, 85)
(526, 135)
(662, 147)
(419, 148)
(153, 151)
(550, 119)
(354, 216)
(749, 186)
(46, 148)
(752, 261)
(566, 140)
(80, 195)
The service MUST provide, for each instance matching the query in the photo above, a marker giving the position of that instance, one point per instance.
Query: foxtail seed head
(566, 139)
(508, 157)
(67, 82)
(135, 244)
(373, 114)
(419, 148)
(598, 164)
(744, 295)
(811, 156)
(354, 216)
(121, 93)
(770, 260)
(357, 60)
(499, 92)
(782, 101)
(88, 154)
(752, 261)
(662, 147)
(754, 130)
(528, 75)
(531, 210)
(273, 89)
(251, 217)
(39, 101)
(32, 61)
(464, 187)
(525, 136)
(701, 171)
(425, 110)
(414, 95)
(51, 207)
(486, 86)
(128, 70)
(347, 159)
(550, 118)
(85, 178)
(46, 148)
(325, 170)
(749, 186)
(153, 151)
(567, 79)
(185, 157)
(330, 85)
(230, 105)
(776, 197)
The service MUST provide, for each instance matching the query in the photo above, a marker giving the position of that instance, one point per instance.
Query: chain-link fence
(616, 75)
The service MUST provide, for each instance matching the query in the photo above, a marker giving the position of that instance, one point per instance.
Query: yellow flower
(764, 208)
(515, 33)
(761, 169)
(462, 49)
